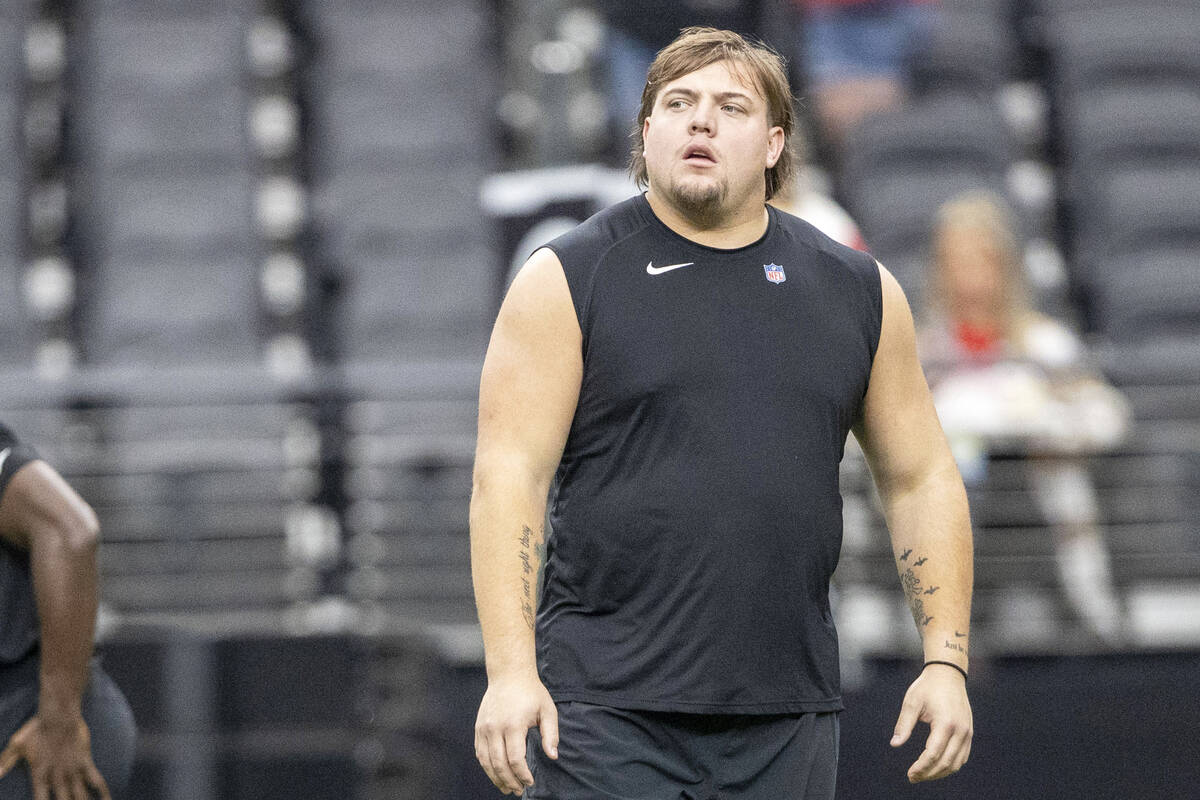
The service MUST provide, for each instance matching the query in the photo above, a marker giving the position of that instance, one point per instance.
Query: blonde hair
(987, 214)
(696, 48)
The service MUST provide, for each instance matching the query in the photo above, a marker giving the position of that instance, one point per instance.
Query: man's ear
(775, 143)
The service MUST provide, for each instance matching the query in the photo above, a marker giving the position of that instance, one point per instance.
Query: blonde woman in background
(1006, 378)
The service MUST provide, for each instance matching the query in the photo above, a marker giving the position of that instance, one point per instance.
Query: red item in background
(977, 341)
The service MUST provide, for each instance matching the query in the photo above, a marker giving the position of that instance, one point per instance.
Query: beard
(702, 201)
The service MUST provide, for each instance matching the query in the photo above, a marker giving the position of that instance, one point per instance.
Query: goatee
(700, 203)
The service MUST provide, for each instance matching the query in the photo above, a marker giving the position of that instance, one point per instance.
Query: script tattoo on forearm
(526, 574)
(531, 584)
(914, 589)
(955, 646)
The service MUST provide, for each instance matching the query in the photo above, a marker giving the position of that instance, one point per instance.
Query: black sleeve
(14, 454)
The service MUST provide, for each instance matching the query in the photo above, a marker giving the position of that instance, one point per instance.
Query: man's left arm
(41, 513)
(925, 506)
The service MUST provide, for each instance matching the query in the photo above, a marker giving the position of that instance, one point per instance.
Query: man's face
(708, 143)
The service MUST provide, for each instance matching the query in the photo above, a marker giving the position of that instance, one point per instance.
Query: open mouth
(699, 155)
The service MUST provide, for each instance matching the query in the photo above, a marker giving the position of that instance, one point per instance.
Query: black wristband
(948, 664)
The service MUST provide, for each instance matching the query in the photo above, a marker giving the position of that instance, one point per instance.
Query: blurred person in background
(855, 55)
(67, 730)
(684, 369)
(1006, 378)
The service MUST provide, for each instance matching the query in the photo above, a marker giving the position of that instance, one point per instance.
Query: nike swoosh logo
(653, 270)
(4, 457)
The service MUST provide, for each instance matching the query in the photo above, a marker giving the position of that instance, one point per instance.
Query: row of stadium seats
(222, 158)
(1124, 116)
(236, 170)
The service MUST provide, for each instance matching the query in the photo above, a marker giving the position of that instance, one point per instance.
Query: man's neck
(727, 233)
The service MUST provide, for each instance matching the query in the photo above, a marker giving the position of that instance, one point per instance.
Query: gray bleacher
(901, 165)
(409, 451)
(970, 51)
(401, 141)
(165, 186)
(196, 482)
(13, 325)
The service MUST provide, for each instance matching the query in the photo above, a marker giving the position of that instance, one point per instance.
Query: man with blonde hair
(682, 371)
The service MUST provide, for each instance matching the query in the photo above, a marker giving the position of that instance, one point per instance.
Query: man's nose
(702, 119)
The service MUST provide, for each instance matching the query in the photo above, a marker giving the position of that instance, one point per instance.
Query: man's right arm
(527, 398)
(41, 514)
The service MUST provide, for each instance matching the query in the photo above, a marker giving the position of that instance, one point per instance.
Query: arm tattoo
(531, 584)
(526, 584)
(913, 591)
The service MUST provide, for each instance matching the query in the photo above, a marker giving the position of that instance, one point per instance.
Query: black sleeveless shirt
(696, 514)
(18, 613)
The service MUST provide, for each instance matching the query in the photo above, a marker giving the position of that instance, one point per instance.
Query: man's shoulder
(603, 229)
(843, 258)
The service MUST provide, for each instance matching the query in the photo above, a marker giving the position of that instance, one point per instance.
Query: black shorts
(105, 710)
(614, 754)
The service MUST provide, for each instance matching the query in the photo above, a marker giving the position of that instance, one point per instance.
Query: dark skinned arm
(42, 514)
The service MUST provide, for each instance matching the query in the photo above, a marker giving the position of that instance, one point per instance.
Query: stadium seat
(12, 146)
(1122, 48)
(166, 10)
(937, 132)
(411, 438)
(380, 40)
(1160, 298)
(134, 312)
(169, 55)
(120, 128)
(13, 327)
(1137, 210)
(974, 53)
(1053, 8)
(362, 122)
(396, 172)
(15, 344)
(1118, 129)
(165, 185)
(13, 16)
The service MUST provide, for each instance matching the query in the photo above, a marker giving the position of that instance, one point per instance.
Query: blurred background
(250, 251)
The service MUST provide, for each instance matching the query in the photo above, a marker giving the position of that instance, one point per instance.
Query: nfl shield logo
(774, 273)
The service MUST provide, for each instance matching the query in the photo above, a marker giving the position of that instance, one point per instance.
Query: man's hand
(509, 709)
(937, 697)
(59, 756)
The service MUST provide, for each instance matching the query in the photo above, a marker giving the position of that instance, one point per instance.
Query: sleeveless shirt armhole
(874, 286)
(580, 295)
